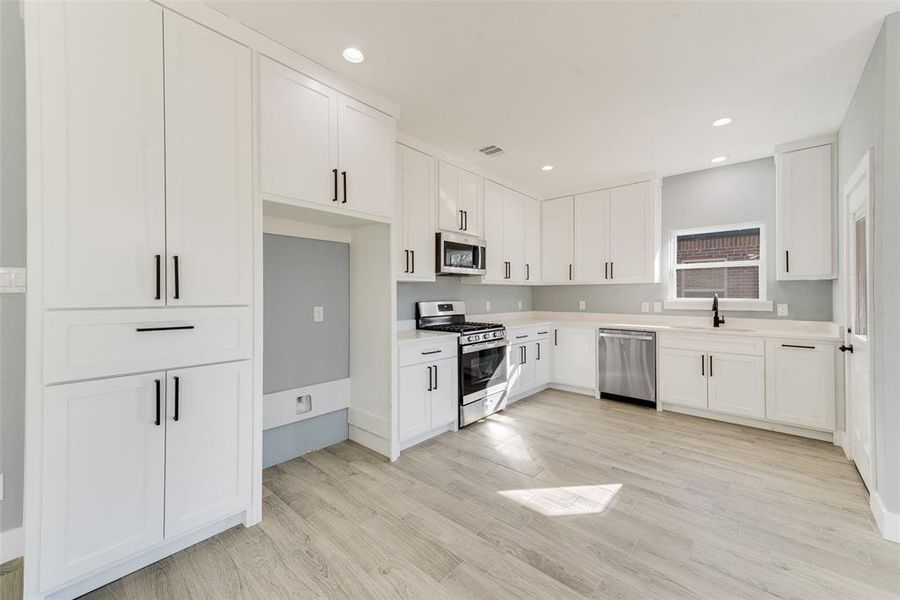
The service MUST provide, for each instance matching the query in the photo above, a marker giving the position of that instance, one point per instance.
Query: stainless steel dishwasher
(627, 363)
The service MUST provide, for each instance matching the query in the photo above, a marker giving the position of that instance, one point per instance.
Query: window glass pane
(861, 327)
(737, 244)
(727, 282)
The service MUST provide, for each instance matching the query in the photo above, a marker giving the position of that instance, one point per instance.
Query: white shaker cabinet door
(574, 357)
(682, 377)
(514, 234)
(557, 239)
(208, 434)
(102, 168)
(103, 473)
(444, 398)
(532, 240)
(737, 384)
(298, 131)
(494, 232)
(800, 385)
(470, 202)
(414, 401)
(632, 246)
(209, 197)
(592, 237)
(417, 191)
(366, 140)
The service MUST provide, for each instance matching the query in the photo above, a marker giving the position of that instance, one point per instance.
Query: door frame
(862, 175)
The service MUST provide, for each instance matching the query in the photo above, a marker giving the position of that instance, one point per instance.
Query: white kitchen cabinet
(800, 383)
(514, 235)
(682, 377)
(103, 473)
(557, 235)
(736, 384)
(102, 166)
(504, 233)
(444, 398)
(417, 197)
(208, 437)
(532, 240)
(574, 357)
(209, 195)
(633, 234)
(298, 135)
(804, 201)
(460, 196)
(520, 368)
(427, 399)
(591, 237)
(543, 362)
(366, 139)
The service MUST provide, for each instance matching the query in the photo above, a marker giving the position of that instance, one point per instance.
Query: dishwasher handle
(643, 338)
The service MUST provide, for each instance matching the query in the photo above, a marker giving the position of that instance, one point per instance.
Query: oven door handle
(483, 346)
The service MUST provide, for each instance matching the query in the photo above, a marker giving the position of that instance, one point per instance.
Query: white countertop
(413, 336)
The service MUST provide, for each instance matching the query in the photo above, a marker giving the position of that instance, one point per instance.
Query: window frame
(761, 304)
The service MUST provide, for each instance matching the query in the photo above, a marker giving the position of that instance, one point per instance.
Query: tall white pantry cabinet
(141, 228)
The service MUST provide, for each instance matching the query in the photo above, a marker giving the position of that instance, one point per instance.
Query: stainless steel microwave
(457, 254)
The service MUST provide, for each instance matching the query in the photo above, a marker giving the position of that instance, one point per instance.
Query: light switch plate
(318, 314)
(645, 307)
(582, 305)
(487, 306)
(657, 307)
(782, 310)
(12, 280)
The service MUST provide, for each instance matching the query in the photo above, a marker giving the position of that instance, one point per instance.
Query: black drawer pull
(158, 277)
(335, 199)
(519, 337)
(177, 390)
(798, 346)
(344, 177)
(157, 421)
(168, 328)
(542, 332)
(177, 278)
(432, 352)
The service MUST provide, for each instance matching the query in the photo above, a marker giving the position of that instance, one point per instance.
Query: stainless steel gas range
(482, 357)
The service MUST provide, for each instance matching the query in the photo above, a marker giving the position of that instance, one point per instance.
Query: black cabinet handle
(710, 365)
(335, 199)
(157, 421)
(612, 273)
(527, 272)
(430, 386)
(539, 351)
(798, 346)
(461, 220)
(164, 328)
(542, 333)
(413, 252)
(344, 177)
(844, 348)
(556, 337)
(521, 337)
(525, 351)
(177, 389)
(787, 261)
(702, 365)
(606, 270)
(406, 252)
(431, 352)
(158, 277)
(177, 278)
(570, 271)
(435, 377)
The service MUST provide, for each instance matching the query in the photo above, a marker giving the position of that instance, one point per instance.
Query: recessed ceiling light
(353, 55)
(719, 159)
(547, 168)
(721, 122)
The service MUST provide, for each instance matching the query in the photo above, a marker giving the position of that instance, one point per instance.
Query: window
(726, 260)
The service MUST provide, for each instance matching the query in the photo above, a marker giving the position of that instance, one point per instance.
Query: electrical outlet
(657, 307)
(487, 306)
(318, 314)
(645, 307)
(304, 404)
(782, 310)
(582, 305)
(520, 305)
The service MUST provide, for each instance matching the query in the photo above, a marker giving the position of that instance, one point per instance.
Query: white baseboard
(370, 440)
(888, 522)
(573, 389)
(840, 440)
(825, 436)
(12, 544)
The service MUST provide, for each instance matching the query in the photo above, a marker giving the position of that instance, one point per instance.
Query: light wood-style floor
(561, 496)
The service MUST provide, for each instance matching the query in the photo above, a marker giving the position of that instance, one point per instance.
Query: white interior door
(102, 171)
(209, 194)
(208, 433)
(366, 140)
(557, 239)
(857, 308)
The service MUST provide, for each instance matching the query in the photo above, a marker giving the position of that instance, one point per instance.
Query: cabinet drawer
(85, 344)
(420, 353)
(712, 343)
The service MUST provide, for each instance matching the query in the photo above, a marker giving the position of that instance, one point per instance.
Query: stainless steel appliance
(457, 254)
(482, 357)
(627, 362)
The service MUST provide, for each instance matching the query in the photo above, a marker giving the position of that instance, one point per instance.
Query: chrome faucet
(717, 320)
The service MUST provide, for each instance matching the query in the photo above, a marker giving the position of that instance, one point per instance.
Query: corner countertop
(418, 336)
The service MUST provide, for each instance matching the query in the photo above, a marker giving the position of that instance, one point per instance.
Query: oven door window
(483, 370)
(464, 256)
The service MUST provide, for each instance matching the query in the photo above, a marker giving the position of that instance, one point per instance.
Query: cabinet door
(514, 234)
(515, 368)
(682, 377)
(471, 191)
(800, 384)
(631, 234)
(102, 168)
(804, 229)
(208, 431)
(444, 398)
(737, 384)
(417, 193)
(494, 231)
(414, 401)
(592, 237)
(297, 135)
(449, 210)
(366, 140)
(574, 352)
(209, 196)
(557, 239)
(103, 473)
(543, 361)
(532, 240)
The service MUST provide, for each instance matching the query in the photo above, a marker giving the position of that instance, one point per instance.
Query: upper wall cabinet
(321, 147)
(533, 271)
(116, 147)
(459, 200)
(557, 233)
(504, 233)
(804, 208)
(417, 202)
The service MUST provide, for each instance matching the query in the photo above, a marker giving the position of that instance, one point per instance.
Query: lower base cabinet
(800, 383)
(121, 474)
(427, 399)
(575, 357)
(682, 377)
(529, 366)
(736, 384)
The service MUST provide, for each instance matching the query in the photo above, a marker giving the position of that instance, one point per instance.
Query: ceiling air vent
(492, 150)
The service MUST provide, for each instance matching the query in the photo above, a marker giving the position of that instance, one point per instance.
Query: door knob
(844, 348)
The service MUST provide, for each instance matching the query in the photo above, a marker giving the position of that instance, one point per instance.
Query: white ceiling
(603, 91)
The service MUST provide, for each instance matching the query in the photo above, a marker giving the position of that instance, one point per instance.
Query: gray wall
(873, 121)
(298, 275)
(12, 254)
(503, 298)
(290, 441)
(739, 193)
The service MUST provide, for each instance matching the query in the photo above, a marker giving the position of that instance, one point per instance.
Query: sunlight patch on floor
(565, 501)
